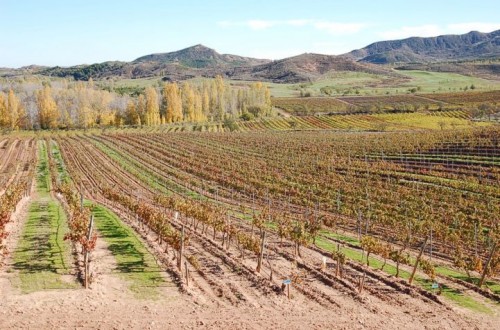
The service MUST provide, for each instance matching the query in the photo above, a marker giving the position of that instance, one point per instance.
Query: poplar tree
(205, 102)
(47, 108)
(198, 108)
(152, 107)
(14, 110)
(188, 103)
(4, 116)
(141, 109)
(173, 103)
(131, 115)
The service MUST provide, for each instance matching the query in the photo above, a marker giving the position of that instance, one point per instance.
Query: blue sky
(57, 32)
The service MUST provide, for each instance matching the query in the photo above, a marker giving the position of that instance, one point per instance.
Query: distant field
(407, 102)
(466, 97)
(352, 83)
(310, 105)
(431, 120)
(357, 84)
(392, 102)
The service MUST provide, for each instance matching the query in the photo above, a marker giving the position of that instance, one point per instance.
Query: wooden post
(418, 260)
(361, 283)
(483, 276)
(261, 255)
(288, 290)
(81, 198)
(187, 272)
(323, 264)
(181, 250)
(270, 268)
(87, 253)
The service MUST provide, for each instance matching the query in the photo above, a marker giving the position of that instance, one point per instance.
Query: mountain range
(471, 46)
(450, 53)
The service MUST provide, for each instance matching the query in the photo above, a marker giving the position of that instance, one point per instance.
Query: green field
(357, 83)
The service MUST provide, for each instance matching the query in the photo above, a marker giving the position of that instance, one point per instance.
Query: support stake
(418, 260)
(261, 255)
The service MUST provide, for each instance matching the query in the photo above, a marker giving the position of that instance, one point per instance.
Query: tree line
(64, 104)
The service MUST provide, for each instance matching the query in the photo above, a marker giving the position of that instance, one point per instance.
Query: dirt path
(282, 112)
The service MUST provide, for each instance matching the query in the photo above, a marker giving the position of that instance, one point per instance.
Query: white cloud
(433, 30)
(298, 22)
(335, 28)
(260, 24)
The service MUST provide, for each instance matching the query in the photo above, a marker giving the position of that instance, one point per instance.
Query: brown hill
(305, 67)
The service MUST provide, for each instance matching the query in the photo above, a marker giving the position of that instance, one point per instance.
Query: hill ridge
(450, 47)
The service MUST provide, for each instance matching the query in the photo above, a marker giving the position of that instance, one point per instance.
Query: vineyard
(311, 105)
(305, 106)
(466, 98)
(275, 179)
(392, 102)
(398, 224)
(290, 178)
(433, 120)
(16, 169)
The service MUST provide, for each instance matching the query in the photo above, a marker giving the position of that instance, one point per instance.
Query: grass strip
(42, 257)
(134, 262)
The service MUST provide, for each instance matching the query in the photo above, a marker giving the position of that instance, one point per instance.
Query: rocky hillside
(473, 45)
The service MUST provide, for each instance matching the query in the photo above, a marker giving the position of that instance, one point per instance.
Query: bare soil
(110, 305)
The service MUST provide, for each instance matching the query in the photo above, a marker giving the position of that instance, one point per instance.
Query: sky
(71, 32)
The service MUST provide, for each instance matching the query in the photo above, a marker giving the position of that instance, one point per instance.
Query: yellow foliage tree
(219, 90)
(199, 116)
(152, 107)
(172, 103)
(205, 102)
(188, 100)
(47, 108)
(4, 117)
(141, 109)
(12, 113)
(131, 115)
(15, 111)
